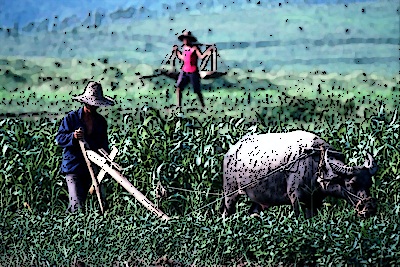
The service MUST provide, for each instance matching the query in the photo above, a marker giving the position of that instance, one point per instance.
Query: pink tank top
(189, 60)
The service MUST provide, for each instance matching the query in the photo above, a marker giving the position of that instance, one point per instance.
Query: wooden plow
(208, 66)
(107, 165)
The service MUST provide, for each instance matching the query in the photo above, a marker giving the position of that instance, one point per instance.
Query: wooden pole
(102, 162)
(173, 61)
(214, 60)
(96, 186)
(102, 172)
(205, 60)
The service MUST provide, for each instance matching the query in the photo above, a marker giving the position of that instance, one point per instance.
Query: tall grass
(186, 152)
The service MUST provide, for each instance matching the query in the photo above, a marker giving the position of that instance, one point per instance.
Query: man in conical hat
(84, 123)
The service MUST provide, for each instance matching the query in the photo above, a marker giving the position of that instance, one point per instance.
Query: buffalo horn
(338, 166)
(328, 165)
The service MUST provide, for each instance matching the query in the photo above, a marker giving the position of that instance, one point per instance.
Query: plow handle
(82, 144)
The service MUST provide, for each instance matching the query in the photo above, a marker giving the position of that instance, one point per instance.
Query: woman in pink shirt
(189, 71)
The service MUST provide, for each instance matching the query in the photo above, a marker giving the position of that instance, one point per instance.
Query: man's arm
(65, 134)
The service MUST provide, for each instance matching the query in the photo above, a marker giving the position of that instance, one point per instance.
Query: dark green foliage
(186, 152)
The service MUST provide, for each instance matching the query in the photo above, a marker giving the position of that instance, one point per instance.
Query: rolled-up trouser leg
(78, 187)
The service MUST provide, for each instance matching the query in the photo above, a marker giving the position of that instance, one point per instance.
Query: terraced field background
(295, 37)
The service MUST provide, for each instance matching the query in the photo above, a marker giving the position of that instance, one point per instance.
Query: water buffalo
(297, 168)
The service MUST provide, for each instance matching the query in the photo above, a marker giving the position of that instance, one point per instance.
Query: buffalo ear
(370, 164)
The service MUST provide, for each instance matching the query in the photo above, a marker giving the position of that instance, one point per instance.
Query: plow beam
(102, 172)
(103, 163)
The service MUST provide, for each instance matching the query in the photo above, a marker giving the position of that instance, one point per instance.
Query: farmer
(189, 71)
(82, 124)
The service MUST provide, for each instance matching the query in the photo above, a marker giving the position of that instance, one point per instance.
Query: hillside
(334, 38)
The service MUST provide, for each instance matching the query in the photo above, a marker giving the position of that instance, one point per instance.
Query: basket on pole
(169, 69)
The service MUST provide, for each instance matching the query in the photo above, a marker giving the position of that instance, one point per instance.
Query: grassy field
(45, 84)
(355, 112)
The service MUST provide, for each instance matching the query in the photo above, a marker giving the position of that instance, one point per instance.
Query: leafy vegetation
(185, 152)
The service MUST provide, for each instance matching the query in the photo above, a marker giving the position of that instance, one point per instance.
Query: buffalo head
(353, 183)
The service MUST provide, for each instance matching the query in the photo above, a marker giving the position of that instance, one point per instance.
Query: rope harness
(283, 167)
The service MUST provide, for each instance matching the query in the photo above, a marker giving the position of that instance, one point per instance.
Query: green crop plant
(185, 152)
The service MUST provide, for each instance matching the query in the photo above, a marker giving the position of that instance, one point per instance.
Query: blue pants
(185, 77)
(78, 187)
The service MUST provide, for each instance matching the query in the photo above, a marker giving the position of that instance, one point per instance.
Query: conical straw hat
(93, 96)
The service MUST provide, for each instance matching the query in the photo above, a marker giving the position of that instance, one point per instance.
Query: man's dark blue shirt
(73, 161)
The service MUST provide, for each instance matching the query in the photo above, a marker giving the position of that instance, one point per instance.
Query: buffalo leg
(310, 212)
(296, 204)
(315, 204)
(255, 208)
(300, 207)
(230, 205)
(296, 207)
(293, 193)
